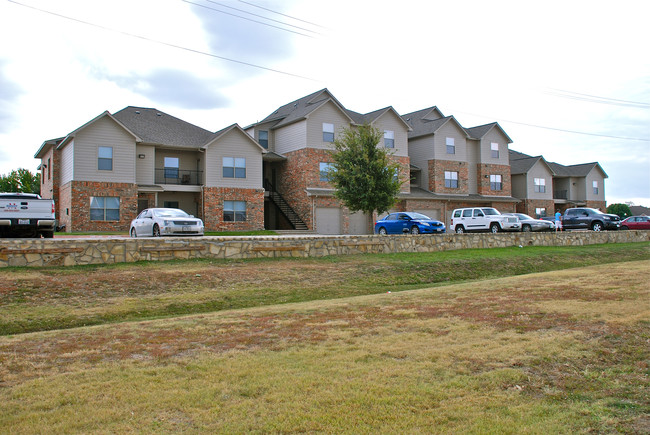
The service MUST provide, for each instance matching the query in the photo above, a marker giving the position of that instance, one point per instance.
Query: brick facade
(528, 206)
(74, 205)
(483, 172)
(213, 198)
(437, 170)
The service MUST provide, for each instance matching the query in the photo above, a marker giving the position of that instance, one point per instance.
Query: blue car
(408, 222)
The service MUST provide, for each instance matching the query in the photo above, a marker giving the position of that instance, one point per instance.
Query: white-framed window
(595, 186)
(540, 212)
(105, 158)
(451, 179)
(389, 139)
(324, 169)
(328, 132)
(494, 148)
(171, 167)
(451, 145)
(264, 138)
(540, 185)
(495, 182)
(234, 167)
(234, 211)
(104, 208)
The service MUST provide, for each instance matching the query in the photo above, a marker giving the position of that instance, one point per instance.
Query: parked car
(158, 222)
(636, 223)
(589, 219)
(408, 222)
(482, 219)
(531, 224)
(26, 215)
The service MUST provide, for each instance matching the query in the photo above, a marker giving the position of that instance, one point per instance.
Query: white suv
(482, 219)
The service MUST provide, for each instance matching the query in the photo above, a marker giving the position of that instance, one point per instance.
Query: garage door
(433, 214)
(359, 223)
(328, 220)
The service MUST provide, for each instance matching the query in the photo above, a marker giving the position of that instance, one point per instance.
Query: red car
(636, 223)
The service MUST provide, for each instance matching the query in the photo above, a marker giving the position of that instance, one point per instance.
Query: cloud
(172, 87)
(10, 93)
(243, 40)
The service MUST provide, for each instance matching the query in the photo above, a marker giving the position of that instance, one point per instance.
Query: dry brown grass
(564, 351)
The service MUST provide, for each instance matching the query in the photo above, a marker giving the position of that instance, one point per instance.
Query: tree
(364, 176)
(20, 180)
(623, 210)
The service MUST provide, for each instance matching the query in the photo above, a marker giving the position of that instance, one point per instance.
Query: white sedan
(158, 222)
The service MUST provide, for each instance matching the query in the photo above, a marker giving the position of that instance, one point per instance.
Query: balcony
(178, 176)
(560, 194)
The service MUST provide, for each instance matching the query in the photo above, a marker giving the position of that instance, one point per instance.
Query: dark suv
(589, 218)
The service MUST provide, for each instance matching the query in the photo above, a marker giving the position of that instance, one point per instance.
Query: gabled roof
(521, 163)
(301, 108)
(424, 126)
(371, 117)
(159, 128)
(46, 145)
(479, 131)
(106, 114)
(581, 170)
(234, 127)
(430, 113)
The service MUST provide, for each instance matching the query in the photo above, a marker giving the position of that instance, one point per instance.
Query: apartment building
(298, 137)
(546, 187)
(115, 165)
(273, 174)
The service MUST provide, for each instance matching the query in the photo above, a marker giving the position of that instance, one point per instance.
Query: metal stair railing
(284, 207)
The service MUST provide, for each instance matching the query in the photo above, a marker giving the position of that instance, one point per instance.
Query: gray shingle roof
(300, 108)
(156, 127)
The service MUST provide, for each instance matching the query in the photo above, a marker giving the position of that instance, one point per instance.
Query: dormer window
(451, 146)
(328, 132)
(389, 139)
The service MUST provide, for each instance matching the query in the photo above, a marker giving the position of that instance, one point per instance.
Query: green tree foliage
(20, 180)
(364, 176)
(623, 210)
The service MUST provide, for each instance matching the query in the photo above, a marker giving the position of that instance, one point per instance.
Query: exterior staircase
(285, 208)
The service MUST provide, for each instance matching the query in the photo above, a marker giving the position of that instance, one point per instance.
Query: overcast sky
(569, 80)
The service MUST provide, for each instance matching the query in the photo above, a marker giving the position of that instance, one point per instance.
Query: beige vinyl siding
(67, 163)
(330, 114)
(104, 133)
(421, 151)
(539, 170)
(519, 186)
(450, 129)
(595, 175)
(233, 144)
(390, 121)
(494, 135)
(144, 168)
(290, 138)
(473, 151)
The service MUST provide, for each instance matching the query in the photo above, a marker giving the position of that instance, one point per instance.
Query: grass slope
(37, 299)
(556, 352)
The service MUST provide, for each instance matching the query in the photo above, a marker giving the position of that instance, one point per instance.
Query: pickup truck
(26, 215)
(589, 218)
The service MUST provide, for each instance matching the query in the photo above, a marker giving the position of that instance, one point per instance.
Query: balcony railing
(560, 194)
(178, 176)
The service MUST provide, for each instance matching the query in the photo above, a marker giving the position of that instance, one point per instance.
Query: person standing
(558, 221)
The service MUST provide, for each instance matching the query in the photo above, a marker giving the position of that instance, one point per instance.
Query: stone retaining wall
(72, 252)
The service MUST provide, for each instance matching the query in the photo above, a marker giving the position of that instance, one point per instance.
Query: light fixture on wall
(141, 156)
